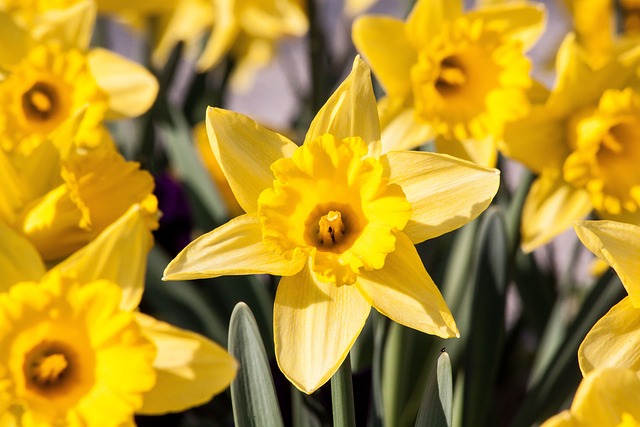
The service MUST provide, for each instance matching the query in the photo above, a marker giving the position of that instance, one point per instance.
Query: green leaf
(252, 392)
(484, 347)
(342, 396)
(436, 408)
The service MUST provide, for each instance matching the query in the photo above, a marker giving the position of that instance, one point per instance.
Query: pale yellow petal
(538, 141)
(605, 395)
(427, 18)
(523, 22)
(403, 291)
(224, 33)
(351, 110)
(190, 368)
(550, 208)
(273, 19)
(403, 131)
(11, 196)
(315, 324)
(71, 26)
(131, 88)
(245, 151)
(15, 41)
(482, 152)
(381, 40)
(619, 245)
(614, 340)
(118, 254)
(19, 259)
(445, 193)
(233, 248)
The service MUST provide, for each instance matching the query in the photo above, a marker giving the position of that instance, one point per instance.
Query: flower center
(49, 368)
(470, 80)
(39, 103)
(333, 203)
(451, 76)
(607, 153)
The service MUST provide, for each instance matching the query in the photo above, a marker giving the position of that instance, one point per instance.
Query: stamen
(451, 75)
(47, 369)
(39, 102)
(331, 228)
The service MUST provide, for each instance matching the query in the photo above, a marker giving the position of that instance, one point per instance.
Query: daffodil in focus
(73, 348)
(613, 341)
(605, 398)
(47, 78)
(451, 76)
(582, 141)
(339, 222)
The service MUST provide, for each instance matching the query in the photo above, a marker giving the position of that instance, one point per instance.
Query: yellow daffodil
(338, 221)
(73, 350)
(605, 398)
(453, 76)
(582, 140)
(61, 196)
(47, 78)
(613, 341)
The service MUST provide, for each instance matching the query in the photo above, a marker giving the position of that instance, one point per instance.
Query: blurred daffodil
(605, 398)
(73, 349)
(614, 339)
(453, 76)
(339, 222)
(582, 140)
(46, 78)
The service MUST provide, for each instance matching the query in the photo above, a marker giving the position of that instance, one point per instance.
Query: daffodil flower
(453, 76)
(605, 398)
(47, 77)
(582, 141)
(614, 339)
(73, 348)
(339, 222)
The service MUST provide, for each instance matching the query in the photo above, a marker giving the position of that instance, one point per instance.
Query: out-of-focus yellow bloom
(73, 350)
(215, 171)
(61, 197)
(451, 76)
(339, 221)
(47, 77)
(614, 339)
(582, 140)
(605, 398)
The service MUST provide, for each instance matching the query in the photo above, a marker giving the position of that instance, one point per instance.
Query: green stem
(342, 396)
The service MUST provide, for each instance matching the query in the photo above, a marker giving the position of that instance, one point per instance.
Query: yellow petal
(191, 369)
(130, 87)
(521, 22)
(118, 254)
(351, 110)
(275, 20)
(445, 193)
(538, 141)
(550, 208)
(618, 244)
(315, 324)
(403, 291)
(605, 395)
(15, 41)
(245, 151)
(594, 25)
(427, 18)
(19, 259)
(382, 42)
(402, 131)
(481, 152)
(614, 339)
(233, 248)
(11, 196)
(563, 419)
(72, 26)
(224, 33)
